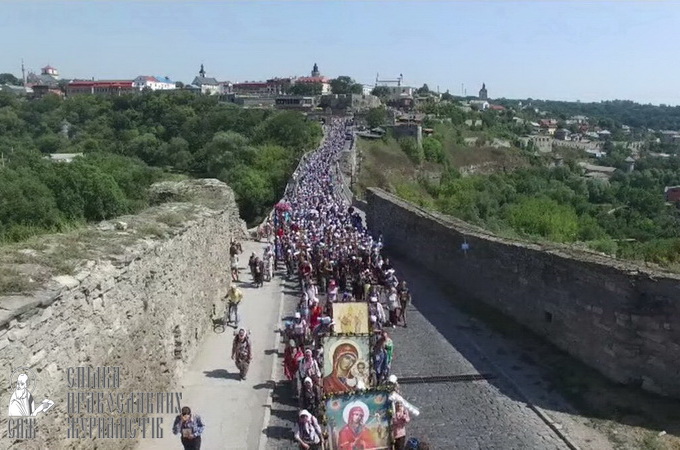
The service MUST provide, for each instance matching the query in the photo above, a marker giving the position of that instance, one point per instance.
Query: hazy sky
(541, 49)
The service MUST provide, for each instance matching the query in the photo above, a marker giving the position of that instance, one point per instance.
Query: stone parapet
(145, 310)
(621, 318)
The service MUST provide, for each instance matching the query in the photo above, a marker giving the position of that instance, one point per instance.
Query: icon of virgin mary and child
(347, 371)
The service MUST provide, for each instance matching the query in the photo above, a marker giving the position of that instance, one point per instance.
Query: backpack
(412, 444)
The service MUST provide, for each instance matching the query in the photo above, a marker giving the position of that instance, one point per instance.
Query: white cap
(392, 378)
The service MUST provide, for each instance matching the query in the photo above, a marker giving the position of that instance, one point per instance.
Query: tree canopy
(381, 92)
(345, 85)
(8, 78)
(131, 141)
(306, 89)
(376, 117)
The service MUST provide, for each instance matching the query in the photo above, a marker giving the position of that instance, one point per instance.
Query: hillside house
(548, 126)
(672, 194)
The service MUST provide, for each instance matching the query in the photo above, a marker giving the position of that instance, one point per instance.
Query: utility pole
(23, 71)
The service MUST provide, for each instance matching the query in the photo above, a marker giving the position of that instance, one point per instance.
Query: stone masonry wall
(146, 313)
(621, 319)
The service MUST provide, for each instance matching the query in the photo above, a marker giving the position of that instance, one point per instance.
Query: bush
(433, 150)
(544, 217)
(412, 150)
(608, 246)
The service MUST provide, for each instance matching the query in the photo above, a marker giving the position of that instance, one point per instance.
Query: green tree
(376, 117)
(306, 89)
(423, 90)
(433, 150)
(544, 217)
(8, 78)
(382, 92)
(220, 153)
(345, 85)
(412, 149)
(289, 129)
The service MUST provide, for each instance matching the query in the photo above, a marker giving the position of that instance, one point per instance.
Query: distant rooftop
(64, 157)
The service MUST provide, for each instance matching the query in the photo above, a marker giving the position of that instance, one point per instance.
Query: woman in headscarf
(241, 352)
(344, 357)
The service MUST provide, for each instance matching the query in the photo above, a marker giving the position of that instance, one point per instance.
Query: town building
(548, 126)
(16, 90)
(153, 83)
(205, 85)
(295, 102)
(672, 194)
(45, 83)
(266, 101)
(595, 171)
(562, 134)
(316, 78)
(577, 120)
(273, 86)
(479, 105)
(669, 136)
(483, 95)
(226, 87)
(100, 87)
(351, 102)
(604, 134)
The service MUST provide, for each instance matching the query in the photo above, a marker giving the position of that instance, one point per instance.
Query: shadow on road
(222, 373)
(546, 376)
(266, 385)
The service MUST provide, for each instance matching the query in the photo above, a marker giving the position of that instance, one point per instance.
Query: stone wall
(622, 319)
(145, 311)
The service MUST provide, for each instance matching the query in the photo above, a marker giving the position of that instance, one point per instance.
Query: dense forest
(128, 143)
(610, 114)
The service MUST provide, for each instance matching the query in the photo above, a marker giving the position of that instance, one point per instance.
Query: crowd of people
(325, 246)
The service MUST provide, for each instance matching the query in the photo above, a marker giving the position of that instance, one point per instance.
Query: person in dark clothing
(241, 352)
(191, 427)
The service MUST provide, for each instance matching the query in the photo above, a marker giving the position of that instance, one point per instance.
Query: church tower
(482, 92)
(202, 71)
(315, 71)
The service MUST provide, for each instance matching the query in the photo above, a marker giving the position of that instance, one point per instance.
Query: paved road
(454, 415)
(234, 411)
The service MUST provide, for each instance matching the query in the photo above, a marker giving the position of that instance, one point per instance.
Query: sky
(587, 51)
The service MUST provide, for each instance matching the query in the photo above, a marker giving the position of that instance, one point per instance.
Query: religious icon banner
(350, 318)
(346, 362)
(359, 421)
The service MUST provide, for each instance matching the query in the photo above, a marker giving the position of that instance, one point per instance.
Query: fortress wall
(621, 319)
(146, 314)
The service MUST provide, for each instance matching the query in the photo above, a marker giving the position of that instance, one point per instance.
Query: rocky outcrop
(141, 299)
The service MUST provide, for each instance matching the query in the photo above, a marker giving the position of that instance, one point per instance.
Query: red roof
(251, 84)
(497, 107)
(312, 80)
(101, 83)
